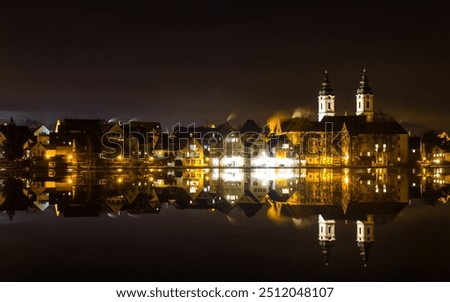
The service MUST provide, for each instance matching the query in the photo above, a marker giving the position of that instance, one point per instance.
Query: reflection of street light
(119, 157)
(119, 180)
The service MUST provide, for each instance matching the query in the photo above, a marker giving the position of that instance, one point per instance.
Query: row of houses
(366, 138)
(334, 141)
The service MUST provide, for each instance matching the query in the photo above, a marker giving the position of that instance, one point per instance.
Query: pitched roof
(382, 210)
(225, 129)
(387, 127)
(250, 126)
(144, 127)
(81, 125)
(357, 124)
(299, 124)
(22, 133)
(354, 123)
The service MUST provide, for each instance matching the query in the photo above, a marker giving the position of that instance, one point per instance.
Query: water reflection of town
(363, 197)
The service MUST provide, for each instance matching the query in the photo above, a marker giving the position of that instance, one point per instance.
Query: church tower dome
(326, 99)
(364, 98)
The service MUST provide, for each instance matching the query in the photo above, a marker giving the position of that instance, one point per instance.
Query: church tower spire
(364, 98)
(326, 99)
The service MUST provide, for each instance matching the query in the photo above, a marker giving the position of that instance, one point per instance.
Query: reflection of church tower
(365, 237)
(326, 99)
(364, 98)
(327, 236)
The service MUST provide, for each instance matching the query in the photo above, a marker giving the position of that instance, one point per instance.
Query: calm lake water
(226, 225)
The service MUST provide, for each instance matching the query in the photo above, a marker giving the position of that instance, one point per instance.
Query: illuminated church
(361, 139)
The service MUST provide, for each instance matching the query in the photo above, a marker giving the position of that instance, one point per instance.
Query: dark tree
(431, 139)
(12, 149)
(15, 199)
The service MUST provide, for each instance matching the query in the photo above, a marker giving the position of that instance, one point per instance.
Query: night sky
(199, 61)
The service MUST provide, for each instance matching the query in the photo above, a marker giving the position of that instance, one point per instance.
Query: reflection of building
(327, 236)
(365, 237)
(229, 184)
(368, 197)
(435, 185)
(193, 181)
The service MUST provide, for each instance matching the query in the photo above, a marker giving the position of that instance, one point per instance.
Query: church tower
(326, 99)
(364, 98)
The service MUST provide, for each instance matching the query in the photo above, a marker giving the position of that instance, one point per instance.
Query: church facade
(361, 139)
